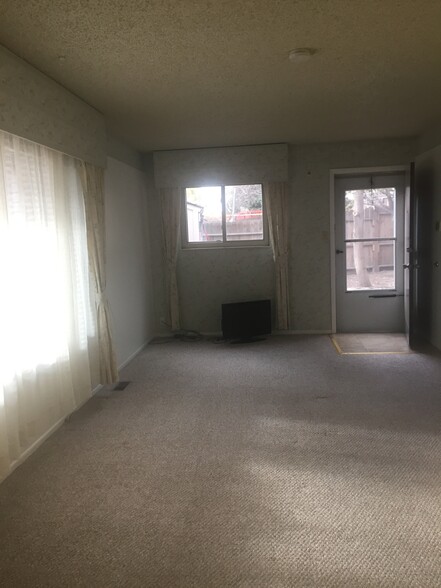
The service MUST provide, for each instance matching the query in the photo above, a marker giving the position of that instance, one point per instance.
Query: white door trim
(333, 174)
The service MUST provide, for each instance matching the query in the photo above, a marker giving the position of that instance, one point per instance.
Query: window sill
(224, 247)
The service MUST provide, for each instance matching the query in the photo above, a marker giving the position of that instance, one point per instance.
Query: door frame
(348, 172)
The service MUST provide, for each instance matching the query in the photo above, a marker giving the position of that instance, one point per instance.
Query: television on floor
(246, 320)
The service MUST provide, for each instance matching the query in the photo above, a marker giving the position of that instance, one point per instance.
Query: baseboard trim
(305, 332)
(212, 334)
(35, 445)
(134, 354)
(276, 332)
(94, 391)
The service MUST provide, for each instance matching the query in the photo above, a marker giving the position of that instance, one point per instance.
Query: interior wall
(212, 276)
(430, 139)
(208, 278)
(156, 248)
(129, 267)
(428, 187)
(122, 152)
(221, 165)
(310, 165)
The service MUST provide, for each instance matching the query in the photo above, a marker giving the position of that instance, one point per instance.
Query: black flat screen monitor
(246, 320)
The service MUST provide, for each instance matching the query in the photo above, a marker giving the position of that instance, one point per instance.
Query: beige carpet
(268, 465)
(365, 343)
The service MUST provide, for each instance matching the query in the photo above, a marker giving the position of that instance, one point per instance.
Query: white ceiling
(197, 73)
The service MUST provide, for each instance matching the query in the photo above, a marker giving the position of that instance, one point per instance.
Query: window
(224, 215)
(370, 239)
(46, 315)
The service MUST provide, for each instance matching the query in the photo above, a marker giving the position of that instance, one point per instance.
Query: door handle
(411, 266)
(338, 251)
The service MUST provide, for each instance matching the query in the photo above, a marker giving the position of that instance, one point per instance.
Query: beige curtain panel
(171, 224)
(276, 201)
(45, 314)
(92, 179)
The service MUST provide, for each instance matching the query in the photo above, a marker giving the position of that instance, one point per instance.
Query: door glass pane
(204, 214)
(370, 265)
(243, 211)
(370, 214)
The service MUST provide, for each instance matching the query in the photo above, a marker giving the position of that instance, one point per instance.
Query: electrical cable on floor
(187, 335)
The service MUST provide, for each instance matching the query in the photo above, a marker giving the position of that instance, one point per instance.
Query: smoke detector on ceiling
(301, 55)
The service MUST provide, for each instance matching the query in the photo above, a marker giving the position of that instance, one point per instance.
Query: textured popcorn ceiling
(186, 73)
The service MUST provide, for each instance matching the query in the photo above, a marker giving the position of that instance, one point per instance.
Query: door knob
(436, 264)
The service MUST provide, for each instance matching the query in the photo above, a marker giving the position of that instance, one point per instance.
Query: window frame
(186, 244)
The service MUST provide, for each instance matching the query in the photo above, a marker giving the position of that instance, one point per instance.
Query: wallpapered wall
(37, 108)
(209, 277)
(310, 221)
(222, 165)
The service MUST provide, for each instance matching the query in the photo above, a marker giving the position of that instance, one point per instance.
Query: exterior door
(369, 238)
(411, 265)
(425, 261)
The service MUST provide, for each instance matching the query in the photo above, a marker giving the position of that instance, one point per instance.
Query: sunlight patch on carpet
(370, 343)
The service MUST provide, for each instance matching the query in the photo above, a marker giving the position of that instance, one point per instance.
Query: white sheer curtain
(276, 201)
(92, 180)
(171, 223)
(45, 312)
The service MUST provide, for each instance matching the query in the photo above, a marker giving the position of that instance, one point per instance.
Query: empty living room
(220, 305)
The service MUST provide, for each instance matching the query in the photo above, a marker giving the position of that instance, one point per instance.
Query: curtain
(276, 201)
(92, 179)
(171, 223)
(45, 313)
